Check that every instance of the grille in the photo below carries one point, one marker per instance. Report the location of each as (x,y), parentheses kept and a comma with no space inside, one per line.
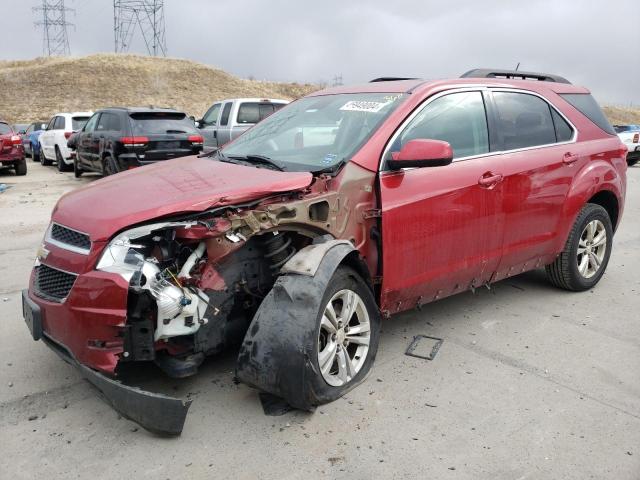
(52,284)
(70,237)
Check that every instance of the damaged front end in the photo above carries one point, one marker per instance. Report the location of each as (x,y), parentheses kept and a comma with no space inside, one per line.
(189,287)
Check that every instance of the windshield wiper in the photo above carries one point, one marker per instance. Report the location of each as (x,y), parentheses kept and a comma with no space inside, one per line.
(257,159)
(176,131)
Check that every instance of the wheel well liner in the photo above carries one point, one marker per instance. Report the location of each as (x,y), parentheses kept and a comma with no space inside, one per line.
(607,200)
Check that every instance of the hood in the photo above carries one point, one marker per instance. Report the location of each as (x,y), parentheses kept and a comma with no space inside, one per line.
(188,184)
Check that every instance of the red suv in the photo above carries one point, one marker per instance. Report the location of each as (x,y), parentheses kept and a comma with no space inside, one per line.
(11,149)
(346,206)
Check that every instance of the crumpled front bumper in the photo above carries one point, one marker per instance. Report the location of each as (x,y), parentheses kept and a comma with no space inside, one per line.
(157,413)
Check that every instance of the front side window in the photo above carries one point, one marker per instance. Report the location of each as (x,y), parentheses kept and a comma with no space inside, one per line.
(523,120)
(457,118)
(211,117)
(59,125)
(316,133)
(91,124)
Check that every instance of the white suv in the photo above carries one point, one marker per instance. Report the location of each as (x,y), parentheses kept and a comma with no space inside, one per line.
(53,141)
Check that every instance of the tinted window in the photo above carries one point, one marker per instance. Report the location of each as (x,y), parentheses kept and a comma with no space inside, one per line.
(588,106)
(225,114)
(59,124)
(211,117)
(150,123)
(91,124)
(523,120)
(30,129)
(458,118)
(5,128)
(109,121)
(78,122)
(254,112)
(564,132)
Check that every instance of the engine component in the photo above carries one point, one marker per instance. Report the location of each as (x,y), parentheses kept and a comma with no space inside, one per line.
(191,261)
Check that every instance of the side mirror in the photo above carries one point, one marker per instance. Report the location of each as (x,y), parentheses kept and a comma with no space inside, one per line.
(21,132)
(421,153)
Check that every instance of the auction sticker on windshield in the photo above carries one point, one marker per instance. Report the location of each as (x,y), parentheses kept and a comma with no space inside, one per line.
(363,106)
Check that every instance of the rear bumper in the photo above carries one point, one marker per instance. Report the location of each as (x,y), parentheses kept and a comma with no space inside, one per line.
(16,155)
(155,412)
(131,160)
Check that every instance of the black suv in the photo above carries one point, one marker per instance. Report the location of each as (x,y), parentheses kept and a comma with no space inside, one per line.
(116,139)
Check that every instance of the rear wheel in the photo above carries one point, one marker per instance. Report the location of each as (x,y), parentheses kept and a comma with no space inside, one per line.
(77,169)
(21,167)
(586,254)
(632,161)
(109,166)
(42,158)
(62,167)
(34,157)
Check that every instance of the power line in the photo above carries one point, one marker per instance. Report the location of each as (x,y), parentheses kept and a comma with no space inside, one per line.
(148,16)
(55,39)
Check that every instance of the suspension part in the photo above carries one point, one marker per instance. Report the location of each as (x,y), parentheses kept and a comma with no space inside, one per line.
(278,250)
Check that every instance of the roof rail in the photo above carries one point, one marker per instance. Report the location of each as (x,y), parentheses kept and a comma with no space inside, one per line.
(513,74)
(391,79)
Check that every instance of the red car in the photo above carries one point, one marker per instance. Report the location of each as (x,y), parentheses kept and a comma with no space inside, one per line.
(11,149)
(296,239)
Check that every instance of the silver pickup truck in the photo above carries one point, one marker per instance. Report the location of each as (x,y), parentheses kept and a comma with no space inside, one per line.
(227,119)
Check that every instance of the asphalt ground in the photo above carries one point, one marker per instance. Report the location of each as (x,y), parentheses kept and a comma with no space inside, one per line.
(531,382)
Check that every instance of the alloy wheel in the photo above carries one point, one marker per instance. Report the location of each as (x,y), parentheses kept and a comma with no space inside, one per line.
(343,338)
(592,247)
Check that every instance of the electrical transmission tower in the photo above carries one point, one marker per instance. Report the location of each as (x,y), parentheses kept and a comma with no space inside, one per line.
(148,15)
(55,40)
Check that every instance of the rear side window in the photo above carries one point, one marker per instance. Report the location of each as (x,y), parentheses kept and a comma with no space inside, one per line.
(523,120)
(110,122)
(587,105)
(5,128)
(78,122)
(225,114)
(158,123)
(457,118)
(253,112)
(564,132)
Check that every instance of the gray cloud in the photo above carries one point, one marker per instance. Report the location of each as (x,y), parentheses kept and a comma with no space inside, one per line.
(592,43)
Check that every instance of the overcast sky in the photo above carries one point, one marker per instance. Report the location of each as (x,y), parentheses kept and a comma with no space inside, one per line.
(592,43)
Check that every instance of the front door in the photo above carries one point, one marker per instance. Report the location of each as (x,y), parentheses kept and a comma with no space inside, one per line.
(442,227)
(86,147)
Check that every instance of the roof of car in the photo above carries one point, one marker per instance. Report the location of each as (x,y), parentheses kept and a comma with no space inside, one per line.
(142,109)
(418,85)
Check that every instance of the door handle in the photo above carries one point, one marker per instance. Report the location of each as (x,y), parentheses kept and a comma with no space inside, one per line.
(569,158)
(490,179)
(215,134)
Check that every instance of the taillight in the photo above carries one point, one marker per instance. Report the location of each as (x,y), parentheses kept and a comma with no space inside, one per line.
(134,141)
(67,135)
(16,139)
(636,138)
(196,139)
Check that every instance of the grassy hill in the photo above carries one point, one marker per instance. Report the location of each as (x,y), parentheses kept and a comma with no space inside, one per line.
(38,88)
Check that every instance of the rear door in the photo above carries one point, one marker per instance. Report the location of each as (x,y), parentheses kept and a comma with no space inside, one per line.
(209,125)
(47,139)
(85,150)
(224,129)
(168,135)
(539,161)
(442,226)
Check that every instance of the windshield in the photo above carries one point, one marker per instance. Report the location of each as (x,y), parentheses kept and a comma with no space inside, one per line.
(316,133)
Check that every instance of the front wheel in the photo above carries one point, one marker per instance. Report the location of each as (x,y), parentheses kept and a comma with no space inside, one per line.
(586,254)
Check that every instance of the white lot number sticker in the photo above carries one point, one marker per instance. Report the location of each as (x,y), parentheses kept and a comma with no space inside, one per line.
(363,106)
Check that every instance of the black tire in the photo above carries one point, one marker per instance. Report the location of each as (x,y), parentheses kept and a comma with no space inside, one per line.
(563,272)
(62,167)
(34,157)
(632,161)
(109,166)
(77,169)
(343,278)
(43,160)
(21,167)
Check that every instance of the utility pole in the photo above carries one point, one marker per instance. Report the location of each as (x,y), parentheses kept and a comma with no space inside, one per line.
(55,39)
(337,80)
(147,16)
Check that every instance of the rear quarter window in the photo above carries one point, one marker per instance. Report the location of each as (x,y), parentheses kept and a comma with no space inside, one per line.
(587,105)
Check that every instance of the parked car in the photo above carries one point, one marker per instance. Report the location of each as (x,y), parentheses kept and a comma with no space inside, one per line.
(11,151)
(30,139)
(117,139)
(20,128)
(296,249)
(227,119)
(53,141)
(630,136)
